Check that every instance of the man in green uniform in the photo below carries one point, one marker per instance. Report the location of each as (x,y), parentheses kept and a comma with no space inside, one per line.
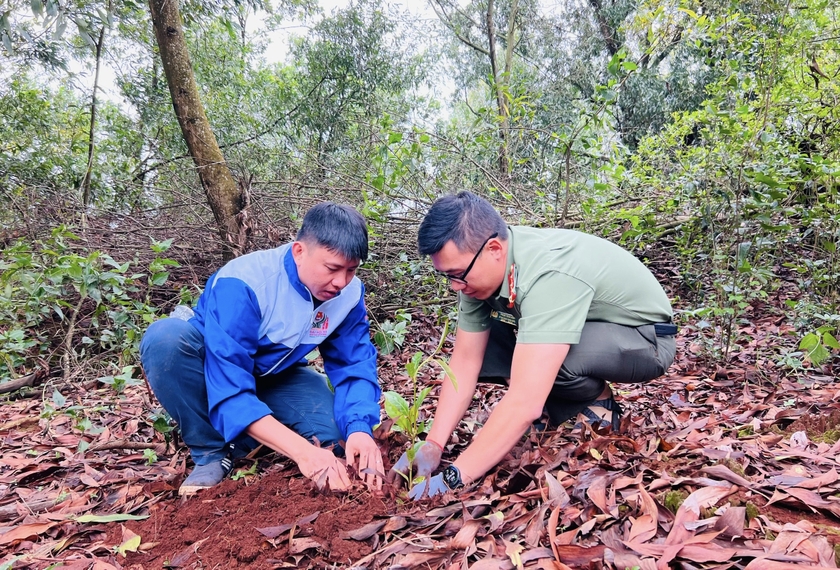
(556,314)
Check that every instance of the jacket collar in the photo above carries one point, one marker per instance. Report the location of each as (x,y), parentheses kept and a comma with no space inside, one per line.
(292,272)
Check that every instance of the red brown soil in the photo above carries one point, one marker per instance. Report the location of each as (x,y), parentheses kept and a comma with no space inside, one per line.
(233,514)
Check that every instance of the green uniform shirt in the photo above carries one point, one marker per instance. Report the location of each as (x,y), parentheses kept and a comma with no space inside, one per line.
(564,278)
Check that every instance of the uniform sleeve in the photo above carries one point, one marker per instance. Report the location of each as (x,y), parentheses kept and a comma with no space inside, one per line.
(231,328)
(350,364)
(473,315)
(554,310)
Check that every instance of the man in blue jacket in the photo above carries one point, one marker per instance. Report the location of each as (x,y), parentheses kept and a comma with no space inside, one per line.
(235,372)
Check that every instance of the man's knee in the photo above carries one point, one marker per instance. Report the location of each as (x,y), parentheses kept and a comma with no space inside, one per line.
(165,344)
(578,388)
(162,335)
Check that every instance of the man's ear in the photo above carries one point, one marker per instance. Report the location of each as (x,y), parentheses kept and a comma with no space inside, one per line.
(495,247)
(298,249)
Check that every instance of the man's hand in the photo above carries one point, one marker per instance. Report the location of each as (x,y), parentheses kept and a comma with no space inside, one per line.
(428,488)
(321,466)
(360,446)
(426,460)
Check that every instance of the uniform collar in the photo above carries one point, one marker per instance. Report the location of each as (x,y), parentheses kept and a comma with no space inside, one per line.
(292,272)
(504,291)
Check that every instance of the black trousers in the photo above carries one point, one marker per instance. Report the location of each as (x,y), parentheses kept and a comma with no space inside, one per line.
(606,353)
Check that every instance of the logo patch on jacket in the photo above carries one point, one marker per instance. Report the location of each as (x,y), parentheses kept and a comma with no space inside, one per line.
(321,325)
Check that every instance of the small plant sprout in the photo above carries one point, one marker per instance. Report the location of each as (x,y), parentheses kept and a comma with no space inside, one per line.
(242,473)
(120,381)
(405,415)
(150,456)
(162,423)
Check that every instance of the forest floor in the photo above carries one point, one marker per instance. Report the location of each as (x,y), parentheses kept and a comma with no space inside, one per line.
(733,466)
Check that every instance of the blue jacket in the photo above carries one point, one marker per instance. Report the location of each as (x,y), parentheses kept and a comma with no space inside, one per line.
(258,319)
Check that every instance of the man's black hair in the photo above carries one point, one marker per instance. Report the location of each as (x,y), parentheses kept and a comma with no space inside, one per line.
(464,218)
(337,227)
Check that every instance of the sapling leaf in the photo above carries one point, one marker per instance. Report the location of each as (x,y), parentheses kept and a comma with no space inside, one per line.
(395,405)
(448,371)
(421,397)
(406,424)
(413,365)
(412,451)
(242,473)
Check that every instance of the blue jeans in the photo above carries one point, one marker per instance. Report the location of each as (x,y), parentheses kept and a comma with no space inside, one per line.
(172,355)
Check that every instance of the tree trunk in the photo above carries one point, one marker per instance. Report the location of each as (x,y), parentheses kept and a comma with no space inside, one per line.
(85,185)
(608,32)
(223,193)
(499,83)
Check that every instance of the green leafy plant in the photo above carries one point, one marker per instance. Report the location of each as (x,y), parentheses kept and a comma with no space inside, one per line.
(391,334)
(56,303)
(150,456)
(120,381)
(15,347)
(159,274)
(819,344)
(406,415)
(162,423)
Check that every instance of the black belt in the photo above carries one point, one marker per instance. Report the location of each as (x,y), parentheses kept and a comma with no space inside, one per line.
(665,329)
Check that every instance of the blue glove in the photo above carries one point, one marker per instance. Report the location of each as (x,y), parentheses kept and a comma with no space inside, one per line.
(426,460)
(435,486)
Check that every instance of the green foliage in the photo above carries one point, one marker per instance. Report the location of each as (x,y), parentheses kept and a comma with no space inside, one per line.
(391,334)
(673,500)
(120,381)
(751,190)
(406,415)
(162,423)
(47,120)
(79,415)
(708,129)
(56,302)
(351,67)
(150,456)
(819,344)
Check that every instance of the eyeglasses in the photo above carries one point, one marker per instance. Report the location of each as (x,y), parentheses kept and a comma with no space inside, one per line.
(462,278)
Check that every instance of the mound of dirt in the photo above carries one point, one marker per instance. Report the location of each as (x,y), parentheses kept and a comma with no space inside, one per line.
(273,521)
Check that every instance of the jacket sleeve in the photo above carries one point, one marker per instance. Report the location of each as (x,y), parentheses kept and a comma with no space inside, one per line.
(350,364)
(231,328)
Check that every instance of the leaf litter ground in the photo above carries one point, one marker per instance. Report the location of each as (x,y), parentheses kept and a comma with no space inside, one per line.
(714,467)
